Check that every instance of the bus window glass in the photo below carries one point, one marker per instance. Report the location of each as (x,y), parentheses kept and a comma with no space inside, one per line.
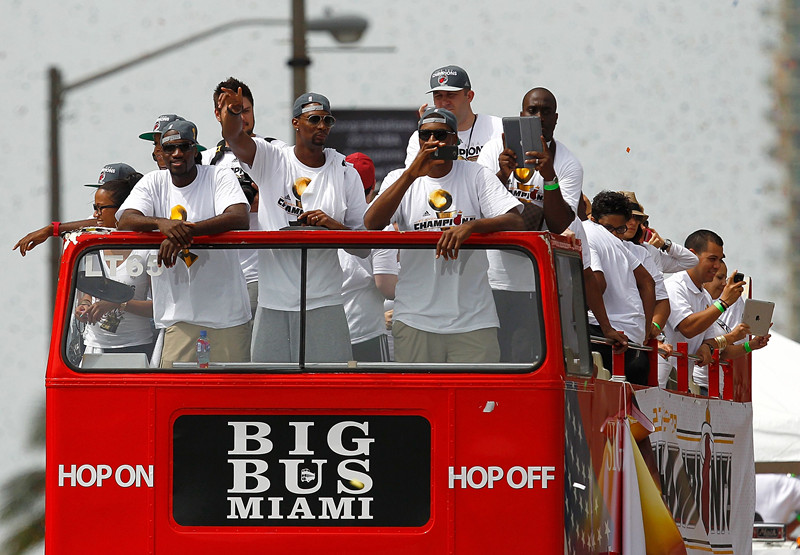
(446,311)
(357,309)
(277,338)
(369,283)
(113,308)
(572,308)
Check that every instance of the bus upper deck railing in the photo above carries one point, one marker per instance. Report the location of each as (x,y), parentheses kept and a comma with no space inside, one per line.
(681,353)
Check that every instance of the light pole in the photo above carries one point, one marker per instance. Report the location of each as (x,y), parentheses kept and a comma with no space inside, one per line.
(345,29)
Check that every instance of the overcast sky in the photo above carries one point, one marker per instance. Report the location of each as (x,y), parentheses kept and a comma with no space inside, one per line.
(683,84)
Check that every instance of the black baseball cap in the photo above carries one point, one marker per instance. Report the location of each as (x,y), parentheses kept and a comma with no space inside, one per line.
(449,78)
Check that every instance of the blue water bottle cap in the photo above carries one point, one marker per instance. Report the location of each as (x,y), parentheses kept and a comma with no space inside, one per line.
(203,333)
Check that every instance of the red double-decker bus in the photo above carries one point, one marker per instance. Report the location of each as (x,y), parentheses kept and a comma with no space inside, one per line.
(345,457)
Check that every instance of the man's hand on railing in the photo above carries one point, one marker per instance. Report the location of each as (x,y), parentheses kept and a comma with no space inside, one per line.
(618,338)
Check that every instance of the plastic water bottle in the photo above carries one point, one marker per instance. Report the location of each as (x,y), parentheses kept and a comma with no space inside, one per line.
(203,350)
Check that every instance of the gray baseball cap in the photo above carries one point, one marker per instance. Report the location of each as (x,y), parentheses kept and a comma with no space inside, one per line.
(449,78)
(161,122)
(302,102)
(439,115)
(113,172)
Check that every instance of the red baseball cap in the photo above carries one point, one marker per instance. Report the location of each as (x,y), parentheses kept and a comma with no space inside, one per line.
(365,168)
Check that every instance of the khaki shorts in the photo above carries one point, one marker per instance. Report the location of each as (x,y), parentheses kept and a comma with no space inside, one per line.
(227,344)
(413,345)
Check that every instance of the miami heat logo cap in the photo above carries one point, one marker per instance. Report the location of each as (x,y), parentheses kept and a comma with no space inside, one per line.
(112,172)
(310,102)
(449,78)
(160,124)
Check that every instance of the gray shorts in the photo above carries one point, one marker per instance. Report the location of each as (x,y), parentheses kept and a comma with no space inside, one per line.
(276,335)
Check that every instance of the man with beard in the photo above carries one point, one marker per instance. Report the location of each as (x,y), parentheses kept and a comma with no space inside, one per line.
(307,185)
(204,290)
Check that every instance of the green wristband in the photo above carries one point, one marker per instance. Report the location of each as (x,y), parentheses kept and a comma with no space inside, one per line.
(551,185)
(747,347)
(719,306)
(656,325)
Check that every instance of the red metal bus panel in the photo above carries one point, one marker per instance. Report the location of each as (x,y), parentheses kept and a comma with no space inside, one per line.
(101,474)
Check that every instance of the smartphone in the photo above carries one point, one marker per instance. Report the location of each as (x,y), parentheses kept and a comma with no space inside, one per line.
(648,233)
(447,152)
(737,277)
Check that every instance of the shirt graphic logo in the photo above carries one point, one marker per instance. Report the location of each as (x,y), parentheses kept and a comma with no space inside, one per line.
(441,201)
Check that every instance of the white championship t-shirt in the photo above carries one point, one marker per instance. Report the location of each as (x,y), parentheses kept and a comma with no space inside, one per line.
(502,265)
(287,188)
(621,297)
(212,292)
(470,141)
(567,167)
(438,295)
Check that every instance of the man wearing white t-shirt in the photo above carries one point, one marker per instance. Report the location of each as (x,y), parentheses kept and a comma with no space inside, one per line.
(206,293)
(692,313)
(309,185)
(509,273)
(452,90)
(222,156)
(565,173)
(628,289)
(444,310)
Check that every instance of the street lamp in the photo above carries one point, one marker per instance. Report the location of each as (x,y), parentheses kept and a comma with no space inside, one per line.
(344,28)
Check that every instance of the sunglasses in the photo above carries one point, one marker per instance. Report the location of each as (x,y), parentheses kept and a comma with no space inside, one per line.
(438,134)
(100,207)
(169,148)
(329,121)
(620,230)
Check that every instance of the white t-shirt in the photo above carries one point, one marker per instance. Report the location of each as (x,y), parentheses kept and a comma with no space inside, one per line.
(363,302)
(685,298)
(502,264)
(643,255)
(577,228)
(212,292)
(247,257)
(434,294)
(621,297)
(678,258)
(513,271)
(133,329)
(777,497)
(567,167)
(287,188)
(470,141)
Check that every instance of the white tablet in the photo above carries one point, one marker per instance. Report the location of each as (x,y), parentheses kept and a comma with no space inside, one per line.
(758,315)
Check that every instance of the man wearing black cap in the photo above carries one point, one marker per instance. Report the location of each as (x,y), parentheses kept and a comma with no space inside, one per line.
(193,294)
(312,185)
(452,90)
(110,173)
(444,310)
(155,136)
